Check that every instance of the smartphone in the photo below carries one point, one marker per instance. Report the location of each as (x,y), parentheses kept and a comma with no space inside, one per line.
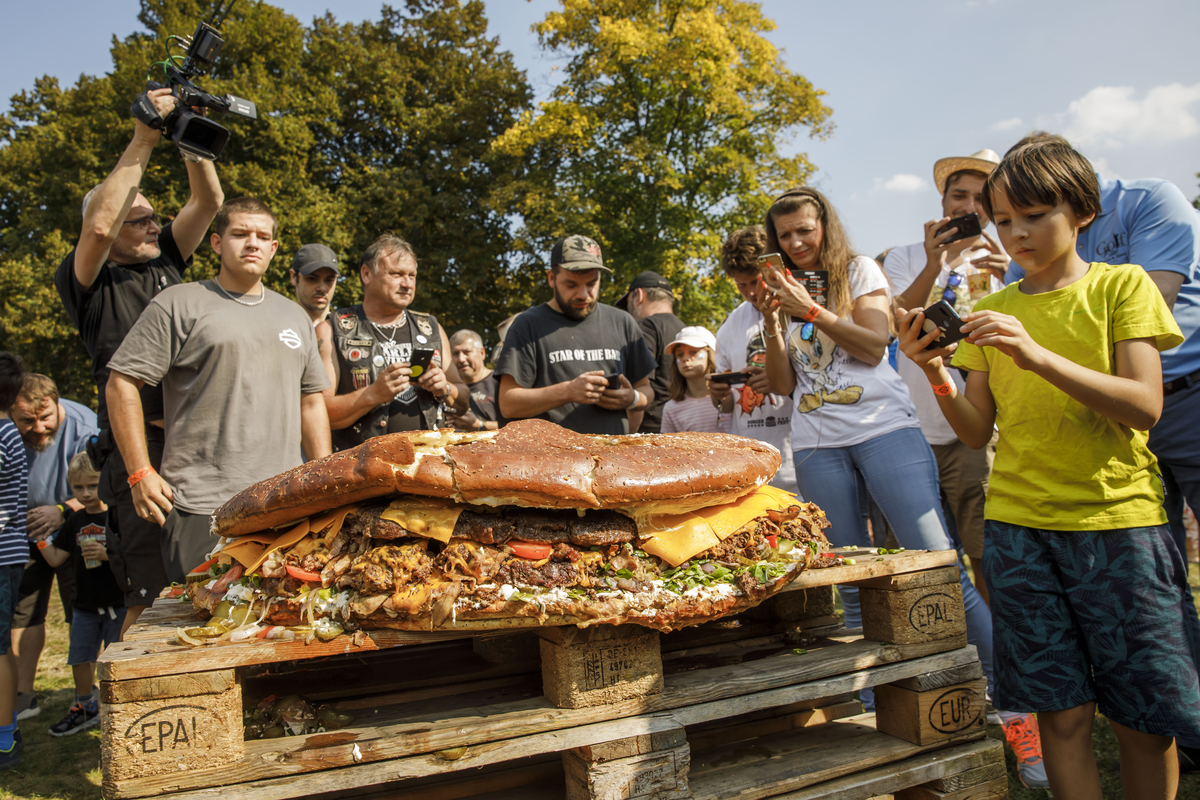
(765,262)
(730,378)
(942,315)
(614,380)
(420,361)
(968,227)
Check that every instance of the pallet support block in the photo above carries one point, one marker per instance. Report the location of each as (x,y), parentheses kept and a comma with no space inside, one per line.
(585,667)
(933,715)
(913,615)
(155,726)
(653,766)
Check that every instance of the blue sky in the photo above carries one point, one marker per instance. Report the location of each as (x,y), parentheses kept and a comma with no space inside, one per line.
(908,82)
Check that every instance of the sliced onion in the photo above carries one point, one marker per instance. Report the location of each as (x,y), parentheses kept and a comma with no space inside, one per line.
(182,637)
(245,632)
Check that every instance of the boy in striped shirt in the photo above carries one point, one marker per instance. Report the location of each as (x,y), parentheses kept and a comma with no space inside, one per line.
(14,551)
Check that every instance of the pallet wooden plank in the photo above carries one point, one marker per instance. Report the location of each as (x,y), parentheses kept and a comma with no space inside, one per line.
(972,777)
(190,685)
(911,580)
(691,697)
(896,776)
(996,789)
(868,566)
(806,718)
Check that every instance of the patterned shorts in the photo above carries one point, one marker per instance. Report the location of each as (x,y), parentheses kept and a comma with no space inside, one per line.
(1094,616)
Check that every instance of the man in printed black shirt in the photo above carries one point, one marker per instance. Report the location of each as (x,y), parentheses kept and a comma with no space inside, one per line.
(124,258)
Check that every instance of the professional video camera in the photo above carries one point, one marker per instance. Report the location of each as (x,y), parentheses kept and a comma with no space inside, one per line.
(194,133)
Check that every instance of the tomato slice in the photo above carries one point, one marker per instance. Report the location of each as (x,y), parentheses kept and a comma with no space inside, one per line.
(303,574)
(204,567)
(532,550)
(829,555)
(773,541)
(223,582)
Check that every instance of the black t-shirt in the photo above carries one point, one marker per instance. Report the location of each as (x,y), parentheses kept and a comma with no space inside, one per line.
(544,347)
(659,330)
(104,312)
(483,397)
(96,587)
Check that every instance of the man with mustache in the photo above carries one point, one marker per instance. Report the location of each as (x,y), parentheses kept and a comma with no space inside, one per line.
(368,352)
(53,430)
(573,360)
(315,274)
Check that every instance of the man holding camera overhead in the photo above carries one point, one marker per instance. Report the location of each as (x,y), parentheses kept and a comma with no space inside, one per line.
(385,361)
(124,258)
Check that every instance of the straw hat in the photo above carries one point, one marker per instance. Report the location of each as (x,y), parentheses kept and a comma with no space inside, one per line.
(983,161)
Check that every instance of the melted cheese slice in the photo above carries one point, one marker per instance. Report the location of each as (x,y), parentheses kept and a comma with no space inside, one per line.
(252,550)
(677,537)
(431,518)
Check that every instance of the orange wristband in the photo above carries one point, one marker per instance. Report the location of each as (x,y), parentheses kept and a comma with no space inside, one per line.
(813,312)
(136,477)
(944,390)
(43,544)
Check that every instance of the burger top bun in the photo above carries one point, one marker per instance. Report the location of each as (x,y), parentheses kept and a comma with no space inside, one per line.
(527,463)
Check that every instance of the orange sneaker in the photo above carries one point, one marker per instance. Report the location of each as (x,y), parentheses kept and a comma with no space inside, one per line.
(1025,740)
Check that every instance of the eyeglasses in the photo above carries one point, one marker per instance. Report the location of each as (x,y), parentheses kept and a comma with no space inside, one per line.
(806,332)
(955,279)
(144,222)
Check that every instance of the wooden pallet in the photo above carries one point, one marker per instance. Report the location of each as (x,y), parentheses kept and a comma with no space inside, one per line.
(429,706)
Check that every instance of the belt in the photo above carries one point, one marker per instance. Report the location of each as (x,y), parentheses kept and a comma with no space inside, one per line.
(1179,384)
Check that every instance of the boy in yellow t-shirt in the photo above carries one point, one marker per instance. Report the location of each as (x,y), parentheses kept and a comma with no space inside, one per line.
(1087,583)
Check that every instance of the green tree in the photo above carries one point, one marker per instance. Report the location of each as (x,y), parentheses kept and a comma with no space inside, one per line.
(381,126)
(663,138)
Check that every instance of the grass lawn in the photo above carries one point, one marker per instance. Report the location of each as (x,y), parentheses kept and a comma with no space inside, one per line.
(68,767)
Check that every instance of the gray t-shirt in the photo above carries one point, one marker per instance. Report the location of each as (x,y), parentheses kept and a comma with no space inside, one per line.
(232,377)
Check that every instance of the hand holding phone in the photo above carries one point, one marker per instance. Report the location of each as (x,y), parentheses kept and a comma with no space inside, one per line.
(941,315)
(767,261)
(968,228)
(614,380)
(419,362)
(729,378)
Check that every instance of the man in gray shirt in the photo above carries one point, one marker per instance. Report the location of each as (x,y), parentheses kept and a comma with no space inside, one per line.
(241,380)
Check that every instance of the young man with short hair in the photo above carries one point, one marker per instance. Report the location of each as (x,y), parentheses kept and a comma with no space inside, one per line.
(559,357)
(314,275)
(651,301)
(241,380)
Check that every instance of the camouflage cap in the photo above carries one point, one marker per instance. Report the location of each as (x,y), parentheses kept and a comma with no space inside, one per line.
(577,254)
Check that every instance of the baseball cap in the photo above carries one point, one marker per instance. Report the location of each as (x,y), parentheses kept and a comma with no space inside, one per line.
(312,257)
(577,254)
(644,280)
(693,336)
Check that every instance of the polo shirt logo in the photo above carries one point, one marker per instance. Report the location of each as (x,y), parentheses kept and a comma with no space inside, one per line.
(290,338)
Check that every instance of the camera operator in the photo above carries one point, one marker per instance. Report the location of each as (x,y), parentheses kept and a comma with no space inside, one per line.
(124,258)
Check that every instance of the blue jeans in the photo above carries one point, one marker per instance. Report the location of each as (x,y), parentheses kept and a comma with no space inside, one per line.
(898,471)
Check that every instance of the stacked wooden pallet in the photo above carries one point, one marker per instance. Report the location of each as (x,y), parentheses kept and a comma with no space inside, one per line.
(751,707)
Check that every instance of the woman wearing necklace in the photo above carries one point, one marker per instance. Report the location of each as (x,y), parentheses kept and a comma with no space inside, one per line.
(384,359)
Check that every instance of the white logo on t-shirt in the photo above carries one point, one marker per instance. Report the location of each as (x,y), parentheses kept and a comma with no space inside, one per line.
(290,338)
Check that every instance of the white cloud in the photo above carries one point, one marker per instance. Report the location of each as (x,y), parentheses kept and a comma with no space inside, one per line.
(1010,124)
(1110,116)
(903,183)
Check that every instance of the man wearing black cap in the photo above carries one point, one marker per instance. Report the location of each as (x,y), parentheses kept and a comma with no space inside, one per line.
(652,304)
(573,360)
(314,273)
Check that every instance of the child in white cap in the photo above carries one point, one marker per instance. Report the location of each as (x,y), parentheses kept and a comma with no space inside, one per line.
(690,408)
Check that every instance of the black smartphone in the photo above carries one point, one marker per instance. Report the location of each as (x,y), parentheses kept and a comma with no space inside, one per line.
(614,380)
(421,357)
(942,315)
(968,227)
(730,378)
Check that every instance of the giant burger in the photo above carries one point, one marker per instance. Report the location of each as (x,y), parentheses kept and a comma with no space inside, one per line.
(529,525)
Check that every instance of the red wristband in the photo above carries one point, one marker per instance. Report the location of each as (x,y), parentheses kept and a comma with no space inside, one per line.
(136,477)
(944,390)
(813,312)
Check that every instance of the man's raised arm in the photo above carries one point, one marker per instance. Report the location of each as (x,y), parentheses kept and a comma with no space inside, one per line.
(110,204)
(191,224)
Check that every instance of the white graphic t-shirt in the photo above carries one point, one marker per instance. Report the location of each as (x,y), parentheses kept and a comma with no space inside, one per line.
(763,417)
(840,401)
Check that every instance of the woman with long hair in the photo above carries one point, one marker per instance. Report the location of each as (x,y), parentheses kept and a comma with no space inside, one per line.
(855,433)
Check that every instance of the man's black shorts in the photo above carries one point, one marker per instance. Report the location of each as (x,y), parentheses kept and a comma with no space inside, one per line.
(135,545)
(33,600)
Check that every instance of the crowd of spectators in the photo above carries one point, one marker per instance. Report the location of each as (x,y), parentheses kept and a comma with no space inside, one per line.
(206,387)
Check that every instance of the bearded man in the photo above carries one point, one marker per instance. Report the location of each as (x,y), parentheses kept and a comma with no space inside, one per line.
(54,431)
(573,360)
